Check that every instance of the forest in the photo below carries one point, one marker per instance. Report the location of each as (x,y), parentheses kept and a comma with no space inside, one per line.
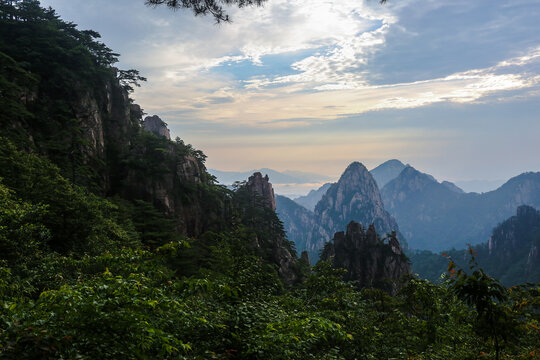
(95,262)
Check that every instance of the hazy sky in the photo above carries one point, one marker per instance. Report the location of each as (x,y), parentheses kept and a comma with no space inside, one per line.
(450,86)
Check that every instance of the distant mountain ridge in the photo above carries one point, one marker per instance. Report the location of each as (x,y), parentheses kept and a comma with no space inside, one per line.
(310,200)
(512,253)
(435,216)
(277,177)
(387,171)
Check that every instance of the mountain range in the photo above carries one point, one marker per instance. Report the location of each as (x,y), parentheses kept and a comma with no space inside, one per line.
(438,216)
(431,215)
(354,197)
(511,254)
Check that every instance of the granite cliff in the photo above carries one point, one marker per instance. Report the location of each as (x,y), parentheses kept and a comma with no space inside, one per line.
(369,260)
(256,203)
(156,126)
(354,197)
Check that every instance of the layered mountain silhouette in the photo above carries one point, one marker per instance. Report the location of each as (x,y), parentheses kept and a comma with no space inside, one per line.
(278,177)
(302,226)
(512,253)
(355,197)
(438,216)
(387,171)
(310,200)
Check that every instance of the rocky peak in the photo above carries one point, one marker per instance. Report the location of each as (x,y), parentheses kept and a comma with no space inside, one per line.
(156,126)
(368,260)
(354,197)
(261,186)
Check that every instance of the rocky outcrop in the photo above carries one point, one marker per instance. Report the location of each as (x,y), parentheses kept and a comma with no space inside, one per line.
(156,126)
(369,261)
(520,233)
(270,238)
(260,186)
(355,197)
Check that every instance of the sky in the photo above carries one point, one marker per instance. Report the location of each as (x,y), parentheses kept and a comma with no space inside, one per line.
(451,87)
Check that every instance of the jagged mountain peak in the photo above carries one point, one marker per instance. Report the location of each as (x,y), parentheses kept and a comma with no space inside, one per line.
(262,187)
(356,177)
(354,197)
(368,259)
(354,167)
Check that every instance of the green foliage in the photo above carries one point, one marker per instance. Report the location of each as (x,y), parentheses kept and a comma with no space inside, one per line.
(22,234)
(495,322)
(78,221)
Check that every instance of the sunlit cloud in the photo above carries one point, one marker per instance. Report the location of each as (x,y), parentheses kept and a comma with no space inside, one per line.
(314,84)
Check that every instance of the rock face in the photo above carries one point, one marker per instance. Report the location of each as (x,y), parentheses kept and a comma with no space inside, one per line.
(354,197)
(369,261)
(260,186)
(302,226)
(435,216)
(387,171)
(156,126)
(271,241)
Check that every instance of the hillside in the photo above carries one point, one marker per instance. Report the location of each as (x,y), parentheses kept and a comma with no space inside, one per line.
(310,200)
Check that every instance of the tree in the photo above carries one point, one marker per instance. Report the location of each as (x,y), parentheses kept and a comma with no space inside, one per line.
(206,7)
(210,7)
(494,320)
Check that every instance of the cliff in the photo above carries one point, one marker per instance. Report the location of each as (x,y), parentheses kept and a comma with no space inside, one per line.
(257,204)
(73,107)
(369,261)
(513,246)
(260,186)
